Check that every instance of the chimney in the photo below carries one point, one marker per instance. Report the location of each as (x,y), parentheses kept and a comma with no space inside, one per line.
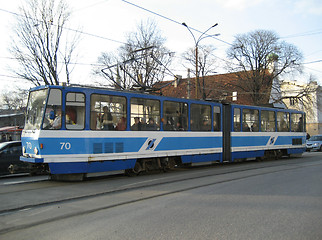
(177,80)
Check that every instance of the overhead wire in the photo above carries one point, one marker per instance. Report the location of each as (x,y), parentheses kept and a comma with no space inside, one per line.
(313,62)
(308,33)
(172,20)
(144,9)
(67,28)
(224,60)
(90,6)
(166,18)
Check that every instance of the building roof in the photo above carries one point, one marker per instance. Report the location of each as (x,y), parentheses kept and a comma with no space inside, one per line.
(217,87)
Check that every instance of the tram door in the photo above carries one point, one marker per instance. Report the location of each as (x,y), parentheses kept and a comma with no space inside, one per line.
(227,132)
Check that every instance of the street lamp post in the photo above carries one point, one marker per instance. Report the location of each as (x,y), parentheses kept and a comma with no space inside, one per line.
(202,36)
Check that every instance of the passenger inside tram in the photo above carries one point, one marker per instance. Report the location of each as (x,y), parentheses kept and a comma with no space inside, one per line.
(151,126)
(107,119)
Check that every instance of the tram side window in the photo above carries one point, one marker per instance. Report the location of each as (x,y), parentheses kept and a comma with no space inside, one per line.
(75,111)
(145,114)
(108,112)
(250,120)
(175,116)
(283,122)
(53,113)
(217,118)
(268,121)
(200,117)
(297,123)
(237,120)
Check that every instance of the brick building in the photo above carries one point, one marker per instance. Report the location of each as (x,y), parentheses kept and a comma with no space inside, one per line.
(217,87)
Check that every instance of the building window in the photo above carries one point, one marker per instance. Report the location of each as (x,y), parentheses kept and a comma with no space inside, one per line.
(293,101)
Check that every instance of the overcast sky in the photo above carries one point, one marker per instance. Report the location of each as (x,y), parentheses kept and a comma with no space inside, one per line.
(106,22)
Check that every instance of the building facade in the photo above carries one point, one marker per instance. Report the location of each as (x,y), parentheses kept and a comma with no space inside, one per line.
(306,97)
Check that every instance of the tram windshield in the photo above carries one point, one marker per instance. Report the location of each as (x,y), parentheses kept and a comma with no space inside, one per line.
(35,109)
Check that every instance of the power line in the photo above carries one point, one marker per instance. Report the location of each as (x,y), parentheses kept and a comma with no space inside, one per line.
(94,35)
(14,77)
(172,20)
(73,63)
(7,11)
(70,29)
(161,16)
(91,5)
(308,33)
(314,69)
(313,62)
(152,12)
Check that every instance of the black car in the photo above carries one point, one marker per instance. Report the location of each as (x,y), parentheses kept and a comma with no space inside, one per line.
(10,153)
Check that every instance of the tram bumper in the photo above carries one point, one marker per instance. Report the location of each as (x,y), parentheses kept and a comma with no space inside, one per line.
(31,159)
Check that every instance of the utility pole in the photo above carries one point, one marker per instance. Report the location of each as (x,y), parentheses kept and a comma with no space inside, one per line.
(188,84)
(202,36)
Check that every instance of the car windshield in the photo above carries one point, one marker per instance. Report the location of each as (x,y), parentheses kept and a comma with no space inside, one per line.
(316,138)
(35,109)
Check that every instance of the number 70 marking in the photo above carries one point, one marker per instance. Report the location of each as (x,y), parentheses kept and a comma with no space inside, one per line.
(65,145)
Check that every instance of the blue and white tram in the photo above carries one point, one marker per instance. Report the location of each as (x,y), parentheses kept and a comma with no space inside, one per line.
(259,132)
(74,131)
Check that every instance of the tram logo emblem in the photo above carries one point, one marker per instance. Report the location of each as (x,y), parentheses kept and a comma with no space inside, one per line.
(151,144)
(272,140)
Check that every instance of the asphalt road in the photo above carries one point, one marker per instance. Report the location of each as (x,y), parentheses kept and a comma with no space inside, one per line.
(272,200)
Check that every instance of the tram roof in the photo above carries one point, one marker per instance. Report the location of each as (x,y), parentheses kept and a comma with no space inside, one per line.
(148,94)
(134,93)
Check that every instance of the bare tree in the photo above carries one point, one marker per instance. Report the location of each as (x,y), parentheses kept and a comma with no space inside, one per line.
(38,42)
(15,100)
(257,58)
(109,63)
(141,62)
(206,65)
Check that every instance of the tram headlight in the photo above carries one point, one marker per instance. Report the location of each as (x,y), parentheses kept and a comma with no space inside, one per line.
(36,151)
(23,150)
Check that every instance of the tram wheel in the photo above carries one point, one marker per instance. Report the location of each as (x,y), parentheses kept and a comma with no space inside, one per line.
(137,168)
(130,173)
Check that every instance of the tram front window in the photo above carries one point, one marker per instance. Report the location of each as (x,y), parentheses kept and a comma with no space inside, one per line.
(35,109)
(53,113)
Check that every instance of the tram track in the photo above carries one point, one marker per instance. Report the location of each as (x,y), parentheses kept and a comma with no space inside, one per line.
(210,171)
(136,192)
